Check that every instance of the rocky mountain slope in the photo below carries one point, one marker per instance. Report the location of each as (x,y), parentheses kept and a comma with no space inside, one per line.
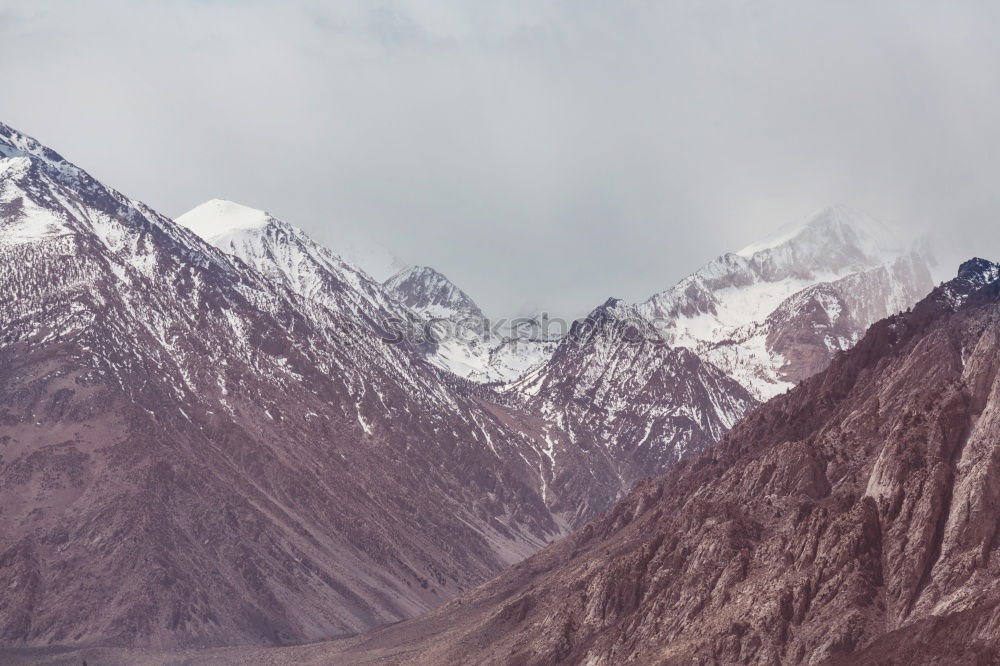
(194,452)
(230,435)
(851,520)
(421,310)
(606,411)
(615,382)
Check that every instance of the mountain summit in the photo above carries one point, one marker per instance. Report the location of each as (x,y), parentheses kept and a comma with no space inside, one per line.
(218,218)
(291,258)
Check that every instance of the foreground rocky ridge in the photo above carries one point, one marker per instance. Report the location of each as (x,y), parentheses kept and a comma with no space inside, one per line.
(851,521)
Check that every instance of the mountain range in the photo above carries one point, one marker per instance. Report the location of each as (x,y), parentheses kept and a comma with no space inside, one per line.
(217,431)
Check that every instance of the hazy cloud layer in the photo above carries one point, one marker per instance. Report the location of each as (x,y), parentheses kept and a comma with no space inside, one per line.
(542,154)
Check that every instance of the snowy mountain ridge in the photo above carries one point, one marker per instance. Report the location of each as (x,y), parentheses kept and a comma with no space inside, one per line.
(739,287)
(658,381)
(727,310)
(839,224)
(418,304)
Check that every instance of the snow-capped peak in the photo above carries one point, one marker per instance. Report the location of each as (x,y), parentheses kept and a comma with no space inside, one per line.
(217,218)
(289,256)
(429,293)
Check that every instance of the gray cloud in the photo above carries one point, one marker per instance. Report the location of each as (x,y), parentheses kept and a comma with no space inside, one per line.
(542,154)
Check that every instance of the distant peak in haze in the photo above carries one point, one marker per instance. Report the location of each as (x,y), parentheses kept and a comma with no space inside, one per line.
(835,223)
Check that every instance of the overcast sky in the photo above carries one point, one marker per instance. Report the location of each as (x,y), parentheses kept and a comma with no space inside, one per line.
(541,154)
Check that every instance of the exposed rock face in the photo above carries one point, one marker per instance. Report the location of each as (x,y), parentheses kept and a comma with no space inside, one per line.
(192,453)
(853,520)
